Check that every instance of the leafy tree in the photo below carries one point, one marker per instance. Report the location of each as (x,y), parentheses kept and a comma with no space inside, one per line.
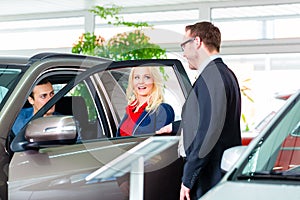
(123,46)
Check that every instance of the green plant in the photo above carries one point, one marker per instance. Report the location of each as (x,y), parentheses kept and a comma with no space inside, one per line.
(88,44)
(112,13)
(244,91)
(123,46)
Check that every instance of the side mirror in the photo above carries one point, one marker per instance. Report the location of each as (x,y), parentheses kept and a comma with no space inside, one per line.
(230,156)
(52,130)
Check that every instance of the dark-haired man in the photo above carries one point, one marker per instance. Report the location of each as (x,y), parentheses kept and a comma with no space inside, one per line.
(40,95)
(211,114)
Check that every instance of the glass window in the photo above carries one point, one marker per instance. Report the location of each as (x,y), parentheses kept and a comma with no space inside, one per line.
(43,33)
(154,17)
(165,16)
(3,92)
(279,151)
(263,77)
(79,102)
(115,84)
(9,77)
(243,29)
(168,26)
(257,22)
(282,28)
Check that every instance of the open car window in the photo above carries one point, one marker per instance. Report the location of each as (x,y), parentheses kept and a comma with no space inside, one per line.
(115,83)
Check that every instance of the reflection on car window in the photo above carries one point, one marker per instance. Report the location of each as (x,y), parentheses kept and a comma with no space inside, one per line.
(115,83)
(296,131)
(79,103)
(3,92)
(8,80)
(280,151)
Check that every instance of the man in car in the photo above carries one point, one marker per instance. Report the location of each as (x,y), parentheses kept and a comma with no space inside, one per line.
(39,96)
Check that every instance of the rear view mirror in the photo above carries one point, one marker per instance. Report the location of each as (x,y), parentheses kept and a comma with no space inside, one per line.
(230,156)
(62,129)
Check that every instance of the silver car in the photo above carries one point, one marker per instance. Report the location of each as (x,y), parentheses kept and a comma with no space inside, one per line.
(269,168)
(51,157)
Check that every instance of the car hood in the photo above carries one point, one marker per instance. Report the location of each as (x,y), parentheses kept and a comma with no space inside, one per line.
(250,191)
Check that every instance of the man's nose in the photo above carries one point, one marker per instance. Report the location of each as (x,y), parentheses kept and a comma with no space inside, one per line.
(49,97)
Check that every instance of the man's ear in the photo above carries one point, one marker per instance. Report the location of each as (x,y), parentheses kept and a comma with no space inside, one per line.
(30,100)
(198,41)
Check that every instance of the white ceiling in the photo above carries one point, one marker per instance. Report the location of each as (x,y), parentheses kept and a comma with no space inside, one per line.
(19,7)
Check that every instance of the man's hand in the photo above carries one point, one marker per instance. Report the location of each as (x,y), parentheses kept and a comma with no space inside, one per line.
(165,129)
(184,193)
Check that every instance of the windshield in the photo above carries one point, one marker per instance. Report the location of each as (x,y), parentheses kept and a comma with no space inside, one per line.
(277,156)
(9,77)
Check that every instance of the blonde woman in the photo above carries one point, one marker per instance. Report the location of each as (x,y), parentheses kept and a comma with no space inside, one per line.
(146,111)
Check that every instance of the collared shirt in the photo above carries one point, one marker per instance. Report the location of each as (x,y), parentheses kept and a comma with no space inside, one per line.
(181,151)
(205,63)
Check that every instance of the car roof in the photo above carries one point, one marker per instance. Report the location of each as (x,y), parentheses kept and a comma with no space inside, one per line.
(24,60)
(14,60)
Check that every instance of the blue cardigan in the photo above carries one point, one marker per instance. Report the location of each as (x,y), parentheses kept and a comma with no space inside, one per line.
(149,122)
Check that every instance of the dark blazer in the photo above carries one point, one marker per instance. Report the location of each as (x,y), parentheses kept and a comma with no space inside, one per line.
(211,124)
(149,122)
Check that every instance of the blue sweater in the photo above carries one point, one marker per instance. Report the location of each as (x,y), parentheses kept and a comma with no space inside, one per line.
(24,116)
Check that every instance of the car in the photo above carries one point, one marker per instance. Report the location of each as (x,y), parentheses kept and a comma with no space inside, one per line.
(248,136)
(269,167)
(50,157)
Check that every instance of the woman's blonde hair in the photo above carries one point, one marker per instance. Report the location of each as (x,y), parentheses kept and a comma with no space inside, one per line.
(156,96)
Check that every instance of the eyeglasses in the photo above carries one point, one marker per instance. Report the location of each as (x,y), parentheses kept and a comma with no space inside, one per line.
(182,45)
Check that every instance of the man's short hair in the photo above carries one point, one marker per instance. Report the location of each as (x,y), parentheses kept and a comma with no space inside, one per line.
(42,82)
(208,33)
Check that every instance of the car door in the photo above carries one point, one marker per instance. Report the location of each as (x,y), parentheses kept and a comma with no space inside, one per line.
(54,170)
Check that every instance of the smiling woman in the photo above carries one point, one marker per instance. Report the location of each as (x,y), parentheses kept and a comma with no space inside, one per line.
(146,111)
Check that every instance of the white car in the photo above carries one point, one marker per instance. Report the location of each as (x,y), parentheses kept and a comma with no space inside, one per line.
(269,168)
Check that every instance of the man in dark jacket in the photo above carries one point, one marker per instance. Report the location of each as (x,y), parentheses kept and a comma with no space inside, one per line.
(211,115)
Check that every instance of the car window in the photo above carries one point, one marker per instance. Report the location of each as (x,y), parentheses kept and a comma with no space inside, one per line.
(79,102)
(8,79)
(97,98)
(83,90)
(3,92)
(279,151)
(105,101)
(114,83)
